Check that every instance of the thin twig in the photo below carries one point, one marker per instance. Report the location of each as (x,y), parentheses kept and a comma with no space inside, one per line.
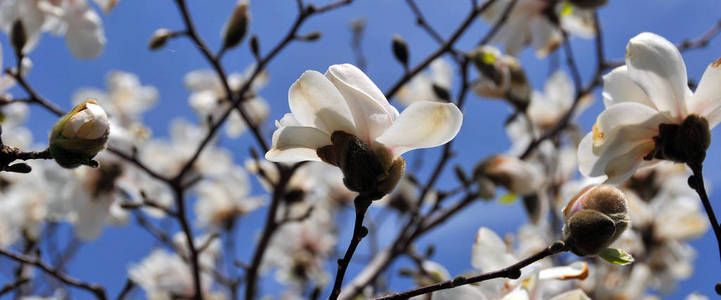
(361,203)
(696,182)
(512,272)
(96,290)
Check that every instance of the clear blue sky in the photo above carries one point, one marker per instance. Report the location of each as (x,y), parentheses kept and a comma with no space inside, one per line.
(56,75)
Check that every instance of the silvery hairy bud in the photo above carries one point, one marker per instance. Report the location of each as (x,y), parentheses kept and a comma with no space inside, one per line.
(79,135)
(237,26)
(595,218)
(159,38)
(370,172)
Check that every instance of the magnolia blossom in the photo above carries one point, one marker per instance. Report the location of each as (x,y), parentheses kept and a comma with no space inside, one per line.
(649,92)
(208,98)
(529,23)
(79,135)
(423,86)
(501,77)
(75,19)
(164,276)
(222,199)
(345,99)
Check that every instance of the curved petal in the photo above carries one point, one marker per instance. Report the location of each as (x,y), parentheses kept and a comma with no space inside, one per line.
(658,68)
(619,87)
(85,36)
(423,125)
(315,102)
(371,111)
(622,167)
(293,144)
(489,252)
(706,101)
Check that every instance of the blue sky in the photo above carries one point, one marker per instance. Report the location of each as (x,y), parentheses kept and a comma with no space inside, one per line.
(57,74)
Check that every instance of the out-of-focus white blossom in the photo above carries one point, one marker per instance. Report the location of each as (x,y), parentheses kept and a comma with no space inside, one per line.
(164,276)
(222,199)
(421,86)
(208,98)
(528,23)
(75,19)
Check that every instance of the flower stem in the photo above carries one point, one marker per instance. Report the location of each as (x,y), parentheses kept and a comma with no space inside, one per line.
(696,182)
(513,272)
(361,203)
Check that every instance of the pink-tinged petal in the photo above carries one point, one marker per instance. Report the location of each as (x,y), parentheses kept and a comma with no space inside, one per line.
(706,101)
(422,125)
(619,87)
(658,68)
(85,36)
(545,37)
(293,144)
(315,102)
(489,252)
(370,114)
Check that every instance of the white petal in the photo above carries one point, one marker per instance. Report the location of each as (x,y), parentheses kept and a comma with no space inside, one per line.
(618,87)
(577,270)
(293,144)
(622,126)
(658,68)
(371,111)
(423,125)
(85,36)
(576,294)
(559,89)
(315,102)
(545,37)
(517,294)
(464,292)
(706,101)
(490,253)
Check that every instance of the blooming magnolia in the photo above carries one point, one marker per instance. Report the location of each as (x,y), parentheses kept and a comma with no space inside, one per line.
(647,98)
(344,108)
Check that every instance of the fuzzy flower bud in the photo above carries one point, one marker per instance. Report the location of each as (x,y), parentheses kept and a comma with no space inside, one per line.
(595,218)
(516,175)
(237,25)
(79,135)
(159,38)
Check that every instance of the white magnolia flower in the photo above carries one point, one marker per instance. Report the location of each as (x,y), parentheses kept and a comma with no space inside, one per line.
(125,100)
(650,90)
(222,199)
(548,107)
(420,88)
(208,98)
(528,23)
(79,135)
(74,19)
(165,276)
(345,99)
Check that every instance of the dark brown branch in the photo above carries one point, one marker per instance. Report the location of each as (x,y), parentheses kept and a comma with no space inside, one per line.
(129,285)
(512,272)
(13,285)
(96,290)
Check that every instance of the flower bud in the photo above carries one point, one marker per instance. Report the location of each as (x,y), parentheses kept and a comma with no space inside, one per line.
(595,218)
(79,135)
(159,38)
(502,77)
(237,26)
(400,50)
(18,36)
(371,172)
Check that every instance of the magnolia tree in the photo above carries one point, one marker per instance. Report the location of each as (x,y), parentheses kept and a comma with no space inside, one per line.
(609,212)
